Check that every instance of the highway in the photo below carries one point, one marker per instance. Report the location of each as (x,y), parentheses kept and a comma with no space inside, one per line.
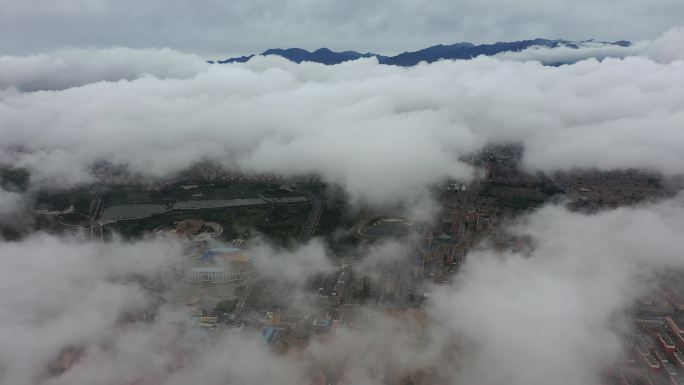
(96,208)
(312,220)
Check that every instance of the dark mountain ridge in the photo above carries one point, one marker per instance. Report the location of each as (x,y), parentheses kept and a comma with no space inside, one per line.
(462,51)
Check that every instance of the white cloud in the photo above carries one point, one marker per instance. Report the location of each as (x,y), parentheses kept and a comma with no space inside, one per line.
(382,133)
(505,312)
(664,49)
(291,265)
(565,54)
(668,47)
(559,309)
(10,203)
(63,292)
(75,67)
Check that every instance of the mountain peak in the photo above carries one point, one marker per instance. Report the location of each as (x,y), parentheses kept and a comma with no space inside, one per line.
(463,51)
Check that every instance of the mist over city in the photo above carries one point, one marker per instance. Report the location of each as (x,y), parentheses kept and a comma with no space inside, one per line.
(387,193)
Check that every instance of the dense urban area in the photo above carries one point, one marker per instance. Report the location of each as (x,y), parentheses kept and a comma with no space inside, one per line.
(219,288)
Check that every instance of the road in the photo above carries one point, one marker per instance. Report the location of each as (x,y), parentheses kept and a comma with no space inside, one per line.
(314,216)
(96,208)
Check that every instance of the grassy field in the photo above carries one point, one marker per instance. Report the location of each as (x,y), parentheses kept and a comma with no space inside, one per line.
(14,178)
(175,193)
(229,191)
(130,194)
(74,219)
(280,223)
(337,226)
(513,197)
(80,198)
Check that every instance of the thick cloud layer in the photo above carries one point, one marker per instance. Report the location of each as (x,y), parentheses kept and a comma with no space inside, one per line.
(665,49)
(58,293)
(10,203)
(557,310)
(383,133)
(291,265)
(76,67)
(556,314)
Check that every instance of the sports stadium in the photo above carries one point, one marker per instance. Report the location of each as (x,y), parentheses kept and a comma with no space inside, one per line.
(220,265)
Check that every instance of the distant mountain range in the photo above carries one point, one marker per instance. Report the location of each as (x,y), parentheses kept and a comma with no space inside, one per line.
(406,59)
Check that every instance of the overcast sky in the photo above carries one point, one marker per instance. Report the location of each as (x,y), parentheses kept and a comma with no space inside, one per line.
(214,28)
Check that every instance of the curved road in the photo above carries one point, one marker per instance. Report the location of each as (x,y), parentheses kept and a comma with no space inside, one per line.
(96,208)
(312,220)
